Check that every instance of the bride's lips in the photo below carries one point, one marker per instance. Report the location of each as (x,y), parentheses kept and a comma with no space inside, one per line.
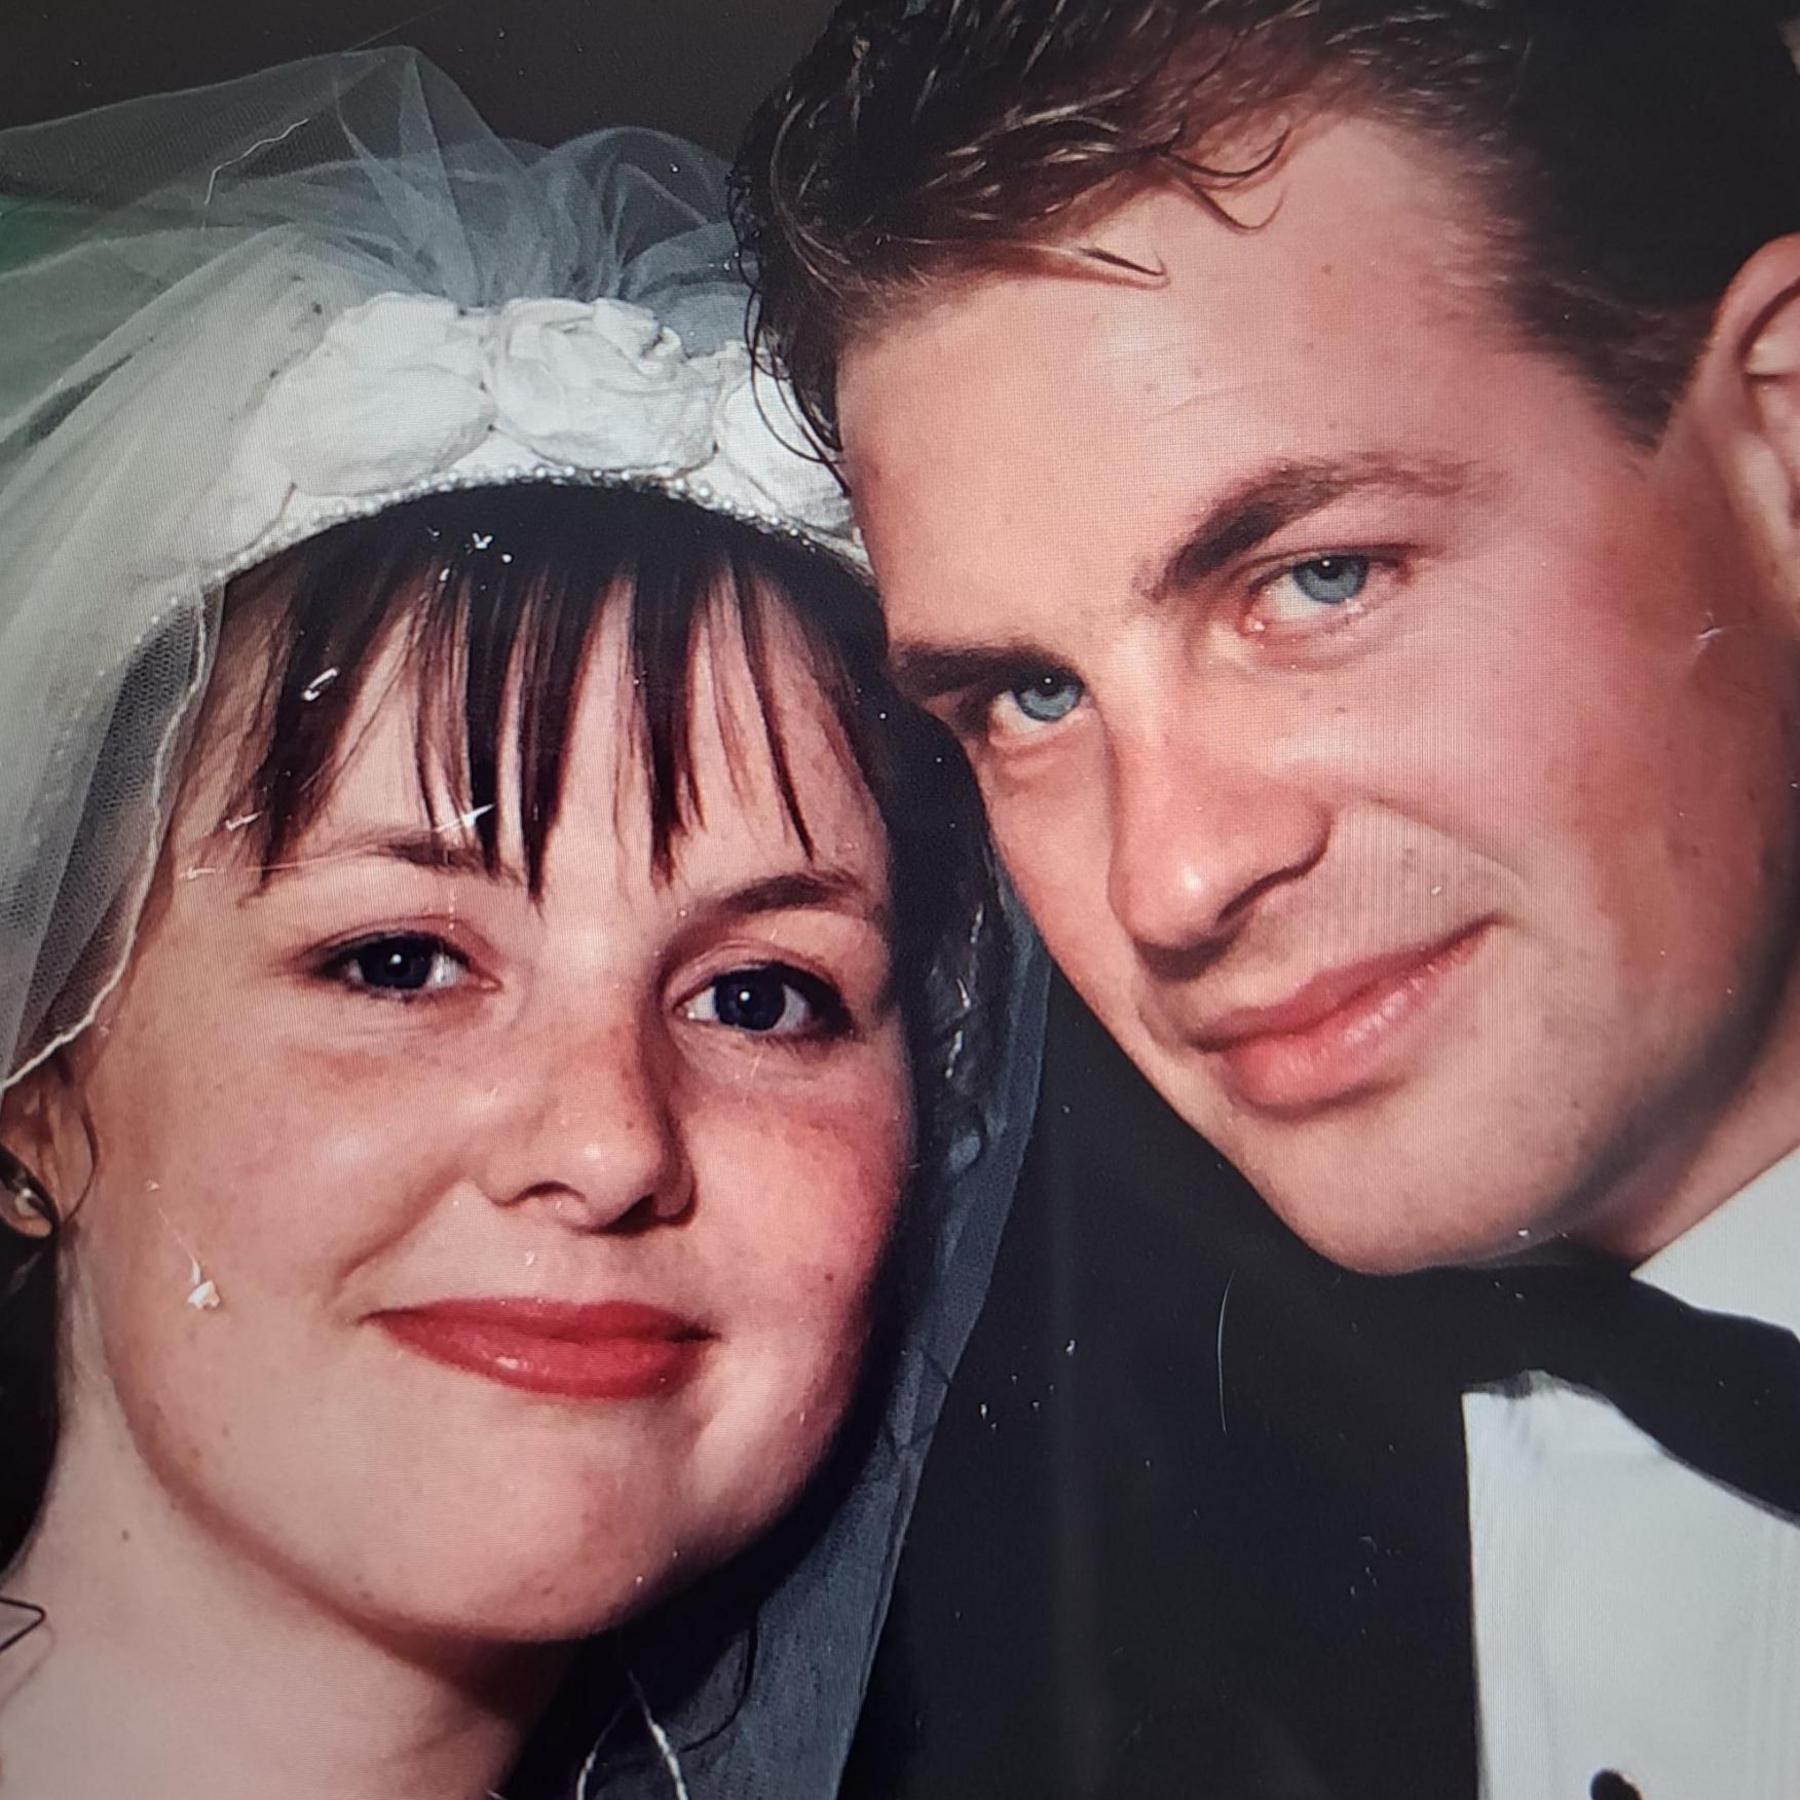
(1332,1037)
(617,1350)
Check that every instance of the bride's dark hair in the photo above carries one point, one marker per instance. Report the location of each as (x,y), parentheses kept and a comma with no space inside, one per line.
(493,596)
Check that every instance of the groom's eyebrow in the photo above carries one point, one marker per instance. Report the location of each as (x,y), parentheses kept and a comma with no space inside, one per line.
(1269,500)
(926,672)
(1244,517)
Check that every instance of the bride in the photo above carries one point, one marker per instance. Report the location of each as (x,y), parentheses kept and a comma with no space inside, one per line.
(496,995)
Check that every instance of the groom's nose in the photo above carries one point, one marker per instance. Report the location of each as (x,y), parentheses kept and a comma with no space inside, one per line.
(1201,829)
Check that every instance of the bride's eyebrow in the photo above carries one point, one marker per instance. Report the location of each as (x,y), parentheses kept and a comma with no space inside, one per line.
(449,851)
(815,887)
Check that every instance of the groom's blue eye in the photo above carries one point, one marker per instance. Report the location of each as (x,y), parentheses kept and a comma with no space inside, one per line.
(1332,580)
(1048,697)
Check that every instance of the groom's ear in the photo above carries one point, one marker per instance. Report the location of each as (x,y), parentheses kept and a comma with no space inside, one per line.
(1744,397)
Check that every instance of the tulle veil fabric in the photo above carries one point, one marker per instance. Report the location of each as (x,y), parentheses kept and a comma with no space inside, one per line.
(161,263)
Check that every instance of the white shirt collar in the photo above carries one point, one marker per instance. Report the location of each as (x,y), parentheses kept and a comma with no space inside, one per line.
(1743,1258)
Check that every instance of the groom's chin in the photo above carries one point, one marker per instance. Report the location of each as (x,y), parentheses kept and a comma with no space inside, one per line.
(1417,1179)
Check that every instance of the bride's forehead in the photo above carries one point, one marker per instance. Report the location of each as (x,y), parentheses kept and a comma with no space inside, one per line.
(738,823)
(412,725)
(753,750)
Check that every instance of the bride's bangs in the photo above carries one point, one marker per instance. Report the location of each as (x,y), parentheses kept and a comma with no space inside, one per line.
(492,598)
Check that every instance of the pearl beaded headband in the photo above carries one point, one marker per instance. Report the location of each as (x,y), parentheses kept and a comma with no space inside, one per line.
(407,395)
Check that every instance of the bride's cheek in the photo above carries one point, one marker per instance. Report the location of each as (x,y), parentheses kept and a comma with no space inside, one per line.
(805,1193)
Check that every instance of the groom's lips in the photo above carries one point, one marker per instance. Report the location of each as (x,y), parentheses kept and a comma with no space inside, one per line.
(614,1350)
(1336,1035)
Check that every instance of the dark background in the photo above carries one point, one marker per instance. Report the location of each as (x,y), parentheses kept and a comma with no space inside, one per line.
(537,69)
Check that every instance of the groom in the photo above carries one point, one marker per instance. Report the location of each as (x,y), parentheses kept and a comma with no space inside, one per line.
(1335,466)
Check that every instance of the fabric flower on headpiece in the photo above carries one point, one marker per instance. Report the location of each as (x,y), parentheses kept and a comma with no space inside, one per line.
(404,393)
(395,390)
(601,385)
(763,461)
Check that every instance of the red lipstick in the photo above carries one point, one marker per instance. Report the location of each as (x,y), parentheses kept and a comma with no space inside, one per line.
(616,1350)
(1333,1036)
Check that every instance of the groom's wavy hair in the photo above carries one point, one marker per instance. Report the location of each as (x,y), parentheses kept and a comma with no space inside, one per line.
(1625,157)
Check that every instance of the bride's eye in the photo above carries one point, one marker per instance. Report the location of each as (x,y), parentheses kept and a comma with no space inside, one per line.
(770,1000)
(402,963)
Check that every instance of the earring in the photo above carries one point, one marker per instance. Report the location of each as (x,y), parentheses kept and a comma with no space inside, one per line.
(25,1203)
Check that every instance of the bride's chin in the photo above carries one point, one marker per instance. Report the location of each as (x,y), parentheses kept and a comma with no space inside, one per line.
(533,1611)
(565,1618)
(525,1588)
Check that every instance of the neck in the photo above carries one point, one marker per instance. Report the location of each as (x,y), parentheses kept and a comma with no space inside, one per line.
(1752,1122)
(171,1667)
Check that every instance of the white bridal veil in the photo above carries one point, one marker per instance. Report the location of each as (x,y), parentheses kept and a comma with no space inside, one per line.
(179,271)
(164,265)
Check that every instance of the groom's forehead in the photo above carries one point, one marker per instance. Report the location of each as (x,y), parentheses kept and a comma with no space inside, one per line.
(1360,226)
(1330,332)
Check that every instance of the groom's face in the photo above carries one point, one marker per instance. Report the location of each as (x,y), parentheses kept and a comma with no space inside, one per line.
(1395,757)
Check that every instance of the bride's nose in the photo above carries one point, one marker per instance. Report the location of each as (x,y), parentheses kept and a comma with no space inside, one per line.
(587,1126)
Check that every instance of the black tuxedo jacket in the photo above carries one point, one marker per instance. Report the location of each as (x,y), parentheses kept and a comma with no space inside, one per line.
(1195,1522)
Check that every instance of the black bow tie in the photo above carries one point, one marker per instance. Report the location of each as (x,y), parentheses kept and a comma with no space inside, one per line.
(1719,1393)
